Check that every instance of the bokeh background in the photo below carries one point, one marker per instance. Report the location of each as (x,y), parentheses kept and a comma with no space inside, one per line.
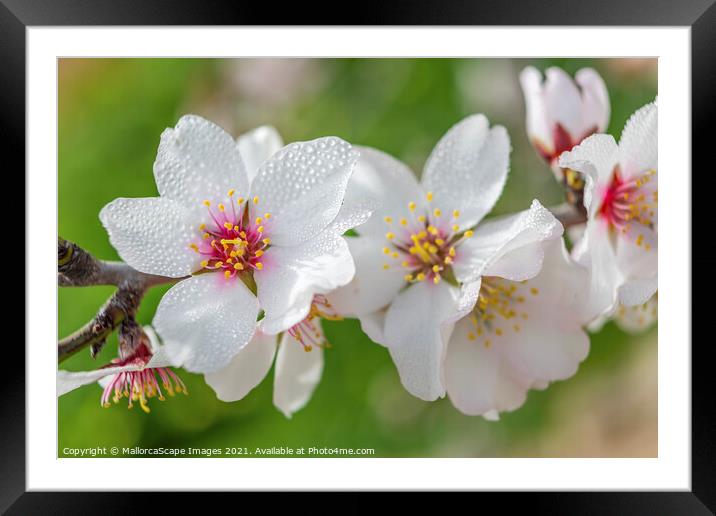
(111,114)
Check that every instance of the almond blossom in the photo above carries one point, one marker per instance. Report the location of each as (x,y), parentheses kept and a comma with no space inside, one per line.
(248,227)
(561,112)
(620,241)
(520,335)
(421,256)
(137,375)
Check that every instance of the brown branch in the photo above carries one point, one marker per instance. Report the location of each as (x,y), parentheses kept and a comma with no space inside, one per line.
(78,268)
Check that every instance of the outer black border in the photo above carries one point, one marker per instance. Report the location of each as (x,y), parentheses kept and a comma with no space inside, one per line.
(16,15)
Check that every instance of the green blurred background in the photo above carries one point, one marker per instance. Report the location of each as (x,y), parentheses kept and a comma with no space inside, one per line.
(111,114)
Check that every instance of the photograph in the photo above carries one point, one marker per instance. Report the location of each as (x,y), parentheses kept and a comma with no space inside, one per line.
(278,257)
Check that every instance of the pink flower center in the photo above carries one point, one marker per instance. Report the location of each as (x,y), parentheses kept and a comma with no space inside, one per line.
(234,239)
(307,332)
(562,141)
(142,384)
(425,246)
(625,202)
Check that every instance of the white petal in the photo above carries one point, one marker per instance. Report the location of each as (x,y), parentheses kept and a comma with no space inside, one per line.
(70,380)
(297,374)
(205,320)
(467,169)
(352,214)
(292,275)
(595,101)
(416,334)
(605,277)
(257,146)
(539,123)
(152,235)
(479,380)
(637,291)
(563,101)
(638,147)
(373,287)
(638,318)
(246,370)
(596,158)
(387,183)
(196,161)
(302,186)
(509,247)
(373,325)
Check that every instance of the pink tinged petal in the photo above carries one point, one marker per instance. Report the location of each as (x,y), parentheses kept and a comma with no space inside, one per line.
(297,373)
(386,183)
(510,247)
(595,101)
(538,120)
(605,277)
(479,380)
(257,146)
(196,161)
(292,275)
(596,158)
(152,235)
(302,187)
(373,286)
(417,328)
(638,318)
(246,370)
(638,147)
(563,101)
(205,320)
(467,169)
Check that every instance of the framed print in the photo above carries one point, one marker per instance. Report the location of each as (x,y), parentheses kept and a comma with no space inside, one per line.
(418,258)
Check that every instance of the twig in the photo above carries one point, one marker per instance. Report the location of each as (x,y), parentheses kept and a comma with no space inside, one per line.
(78,268)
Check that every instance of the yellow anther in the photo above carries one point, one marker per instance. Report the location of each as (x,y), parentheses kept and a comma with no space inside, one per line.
(516,327)
(411,206)
(439,241)
(405,263)
(266,241)
(451,252)
(228,225)
(422,235)
(429,196)
(259,253)
(202,227)
(421,218)
(437,212)
(455,228)
(408,277)
(469,233)
(259,220)
(488,343)
(239,266)
(386,266)
(236,228)
(390,236)
(433,249)
(194,247)
(448,260)
(206,236)
(403,222)
(231,192)
(456,213)
(218,265)
(267,216)
(260,229)
(256,200)
(436,279)
(388,220)
(221,207)
(242,234)
(534,291)
(386,250)
(393,254)
(436,268)
(240,201)
(498,331)
(420,276)
(259,265)
(206,203)
(432,230)
(471,336)
(227,274)
(204,263)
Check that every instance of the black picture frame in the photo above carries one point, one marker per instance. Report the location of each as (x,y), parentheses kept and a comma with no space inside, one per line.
(17,15)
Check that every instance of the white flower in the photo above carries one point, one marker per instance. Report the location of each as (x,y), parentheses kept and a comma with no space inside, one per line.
(520,335)
(560,113)
(252,228)
(621,195)
(143,374)
(632,319)
(419,258)
(299,363)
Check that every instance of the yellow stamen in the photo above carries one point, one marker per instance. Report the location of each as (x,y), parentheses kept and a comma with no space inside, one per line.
(266,241)
(469,233)
(206,203)
(260,229)
(231,192)
(436,280)
(205,263)
(390,236)
(221,207)
(227,274)
(259,220)
(429,196)
(388,220)
(456,213)
(420,276)
(267,216)
(437,212)
(256,200)
(228,225)
(259,253)
(259,265)
(239,267)
(411,206)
